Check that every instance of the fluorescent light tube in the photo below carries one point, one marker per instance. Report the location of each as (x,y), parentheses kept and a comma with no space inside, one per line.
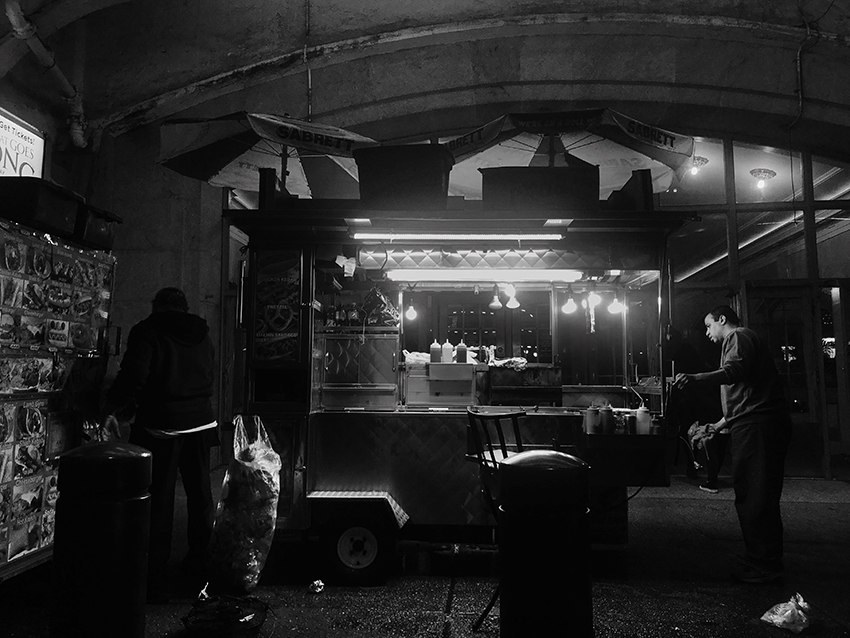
(458,236)
(495,275)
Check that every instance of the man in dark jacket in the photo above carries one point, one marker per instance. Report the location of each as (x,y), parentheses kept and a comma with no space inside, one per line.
(757,415)
(164,388)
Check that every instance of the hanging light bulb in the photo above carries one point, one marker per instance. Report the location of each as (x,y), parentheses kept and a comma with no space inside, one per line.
(510,291)
(495,304)
(569,307)
(593,299)
(410,313)
(616,307)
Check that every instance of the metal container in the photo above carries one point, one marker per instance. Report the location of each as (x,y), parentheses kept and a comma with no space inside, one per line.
(592,423)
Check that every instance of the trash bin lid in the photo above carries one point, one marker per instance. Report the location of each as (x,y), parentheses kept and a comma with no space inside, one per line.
(544,483)
(112,468)
(546,459)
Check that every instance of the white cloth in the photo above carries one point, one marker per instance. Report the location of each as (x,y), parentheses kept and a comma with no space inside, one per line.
(168,434)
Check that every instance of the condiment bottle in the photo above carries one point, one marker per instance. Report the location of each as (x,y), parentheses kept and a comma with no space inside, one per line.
(447,352)
(436,352)
(644,420)
(606,418)
(460,356)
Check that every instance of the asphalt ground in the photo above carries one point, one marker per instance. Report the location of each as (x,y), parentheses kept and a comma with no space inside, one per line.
(672,579)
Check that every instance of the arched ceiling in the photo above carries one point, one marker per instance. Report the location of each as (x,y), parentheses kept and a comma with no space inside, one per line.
(400,70)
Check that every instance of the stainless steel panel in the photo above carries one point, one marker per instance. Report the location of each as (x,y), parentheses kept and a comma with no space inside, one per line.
(378,357)
(342,359)
(418,459)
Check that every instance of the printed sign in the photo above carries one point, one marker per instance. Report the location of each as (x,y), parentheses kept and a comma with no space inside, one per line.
(21,148)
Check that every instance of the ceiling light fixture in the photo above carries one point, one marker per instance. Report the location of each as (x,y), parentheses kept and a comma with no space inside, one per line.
(413,237)
(481,275)
(698,163)
(495,303)
(616,307)
(762,175)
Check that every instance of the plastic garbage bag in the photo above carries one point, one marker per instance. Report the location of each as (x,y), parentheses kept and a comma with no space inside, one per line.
(246,514)
(378,310)
(789,615)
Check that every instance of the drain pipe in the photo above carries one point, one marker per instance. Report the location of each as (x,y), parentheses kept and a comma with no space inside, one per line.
(25,30)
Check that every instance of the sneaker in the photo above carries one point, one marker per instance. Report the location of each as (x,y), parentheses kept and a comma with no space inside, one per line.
(711,488)
(756,575)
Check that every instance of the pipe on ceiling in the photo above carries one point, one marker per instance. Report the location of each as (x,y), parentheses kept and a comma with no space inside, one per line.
(25,30)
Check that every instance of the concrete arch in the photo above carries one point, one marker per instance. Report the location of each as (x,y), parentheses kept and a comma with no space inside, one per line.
(710,74)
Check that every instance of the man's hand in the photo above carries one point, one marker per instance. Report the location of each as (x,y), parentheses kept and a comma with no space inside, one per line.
(115,430)
(682,380)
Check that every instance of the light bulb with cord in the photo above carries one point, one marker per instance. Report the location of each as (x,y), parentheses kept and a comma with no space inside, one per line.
(410,313)
(569,307)
(593,299)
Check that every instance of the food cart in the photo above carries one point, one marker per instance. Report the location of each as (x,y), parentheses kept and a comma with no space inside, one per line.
(340,305)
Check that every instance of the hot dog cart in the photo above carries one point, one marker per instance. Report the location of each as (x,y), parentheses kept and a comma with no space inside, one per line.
(340,306)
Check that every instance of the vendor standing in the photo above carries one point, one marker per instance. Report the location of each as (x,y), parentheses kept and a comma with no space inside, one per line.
(757,415)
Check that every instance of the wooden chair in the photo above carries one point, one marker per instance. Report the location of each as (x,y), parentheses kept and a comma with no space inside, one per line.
(491,437)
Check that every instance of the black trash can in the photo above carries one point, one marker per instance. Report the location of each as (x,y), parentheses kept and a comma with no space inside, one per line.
(101,542)
(544,546)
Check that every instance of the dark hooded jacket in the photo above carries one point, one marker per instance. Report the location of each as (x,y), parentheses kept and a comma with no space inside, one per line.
(166,376)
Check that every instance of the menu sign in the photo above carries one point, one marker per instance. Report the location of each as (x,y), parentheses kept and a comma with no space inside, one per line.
(278,297)
(21,148)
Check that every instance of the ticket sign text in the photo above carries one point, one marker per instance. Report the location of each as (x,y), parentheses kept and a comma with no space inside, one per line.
(21,148)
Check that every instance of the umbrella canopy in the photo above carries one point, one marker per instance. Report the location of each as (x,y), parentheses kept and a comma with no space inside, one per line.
(229,150)
(614,142)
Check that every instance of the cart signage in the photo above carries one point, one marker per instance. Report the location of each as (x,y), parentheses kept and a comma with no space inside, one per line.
(278,300)
(319,138)
(21,148)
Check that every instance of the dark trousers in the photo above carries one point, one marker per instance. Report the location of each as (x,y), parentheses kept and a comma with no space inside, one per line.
(758,469)
(190,455)
(715,452)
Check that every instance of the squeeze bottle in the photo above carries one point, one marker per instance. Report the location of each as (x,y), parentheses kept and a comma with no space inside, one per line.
(435,352)
(447,352)
(644,420)
(461,352)
(606,419)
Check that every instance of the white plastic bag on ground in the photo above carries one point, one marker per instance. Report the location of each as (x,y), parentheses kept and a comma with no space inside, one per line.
(790,615)
(247,512)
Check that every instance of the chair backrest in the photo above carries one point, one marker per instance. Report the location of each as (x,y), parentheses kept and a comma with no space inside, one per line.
(492,437)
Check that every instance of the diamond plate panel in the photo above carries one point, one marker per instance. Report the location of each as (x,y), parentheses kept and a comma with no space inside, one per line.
(419,459)
(377,360)
(375,257)
(342,356)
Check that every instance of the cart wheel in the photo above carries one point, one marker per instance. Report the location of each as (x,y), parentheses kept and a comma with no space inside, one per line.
(360,551)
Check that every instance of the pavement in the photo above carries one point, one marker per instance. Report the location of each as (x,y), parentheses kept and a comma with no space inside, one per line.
(672,579)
